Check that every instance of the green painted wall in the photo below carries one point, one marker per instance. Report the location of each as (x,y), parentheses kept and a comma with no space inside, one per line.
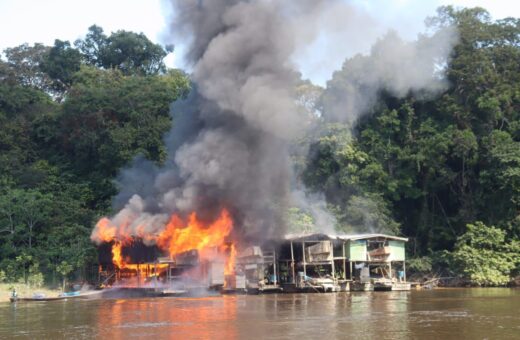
(396,250)
(357,250)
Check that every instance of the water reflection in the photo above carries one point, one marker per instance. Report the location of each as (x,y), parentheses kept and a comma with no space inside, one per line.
(200,318)
(311,316)
(446,314)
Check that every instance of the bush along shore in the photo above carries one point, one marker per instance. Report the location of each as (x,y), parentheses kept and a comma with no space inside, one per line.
(24,290)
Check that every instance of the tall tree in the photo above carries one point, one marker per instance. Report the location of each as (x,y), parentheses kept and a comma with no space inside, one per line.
(24,65)
(129,52)
(61,63)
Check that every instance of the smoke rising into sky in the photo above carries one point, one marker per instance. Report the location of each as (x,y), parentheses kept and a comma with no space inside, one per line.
(393,65)
(317,61)
(229,146)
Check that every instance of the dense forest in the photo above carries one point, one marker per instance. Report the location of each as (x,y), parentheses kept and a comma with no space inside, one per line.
(443,171)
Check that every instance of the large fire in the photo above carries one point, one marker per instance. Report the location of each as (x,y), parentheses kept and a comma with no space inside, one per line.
(178,236)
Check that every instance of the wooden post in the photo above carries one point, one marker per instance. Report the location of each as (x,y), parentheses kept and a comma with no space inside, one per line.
(292,264)
(274,267)
(155,276)
(332,255)
(404,271)
(344,262)
(351,271)
(304,263)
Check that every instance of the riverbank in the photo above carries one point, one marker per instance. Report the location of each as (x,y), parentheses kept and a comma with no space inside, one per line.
(24,290)
(433,280)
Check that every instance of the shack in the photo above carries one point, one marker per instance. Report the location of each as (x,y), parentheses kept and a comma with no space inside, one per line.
(325,262)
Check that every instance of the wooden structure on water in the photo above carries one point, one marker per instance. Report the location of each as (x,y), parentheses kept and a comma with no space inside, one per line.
(314,262)
(342,262)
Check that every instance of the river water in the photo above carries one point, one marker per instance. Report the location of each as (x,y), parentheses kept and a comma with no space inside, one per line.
(435,314)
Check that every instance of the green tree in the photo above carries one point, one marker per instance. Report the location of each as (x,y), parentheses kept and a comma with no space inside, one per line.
(484,256)
(500,177)
(23,66)
(64,269)
(108,118)
(23,260)
(23,211)
(351,181)
(60,64)
(35,277)
(129,52)
(299,221)
(92,46)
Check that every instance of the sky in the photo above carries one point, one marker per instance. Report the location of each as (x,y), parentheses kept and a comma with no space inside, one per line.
(33,21)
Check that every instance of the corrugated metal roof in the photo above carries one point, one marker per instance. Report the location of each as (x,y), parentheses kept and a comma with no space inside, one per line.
(367,236)
(345,237)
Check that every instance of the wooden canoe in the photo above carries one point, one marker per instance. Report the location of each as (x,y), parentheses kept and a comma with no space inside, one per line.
(25,299)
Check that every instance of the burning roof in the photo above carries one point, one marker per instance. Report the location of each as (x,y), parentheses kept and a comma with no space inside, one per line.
(176,237)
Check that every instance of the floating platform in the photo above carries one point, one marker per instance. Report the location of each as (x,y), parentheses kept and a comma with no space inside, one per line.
(130,292)
(400,286)
(361,286)
(270,289)
(175,292)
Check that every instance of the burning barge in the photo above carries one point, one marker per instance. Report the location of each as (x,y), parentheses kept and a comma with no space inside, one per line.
(296,263)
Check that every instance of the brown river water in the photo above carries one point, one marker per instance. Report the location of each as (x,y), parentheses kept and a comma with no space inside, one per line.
(435,314)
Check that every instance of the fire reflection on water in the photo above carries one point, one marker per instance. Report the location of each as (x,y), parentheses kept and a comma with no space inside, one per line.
(437,314)
(179,318)
(241,317)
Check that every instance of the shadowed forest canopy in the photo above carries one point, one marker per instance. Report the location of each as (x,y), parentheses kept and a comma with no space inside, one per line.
(443,170)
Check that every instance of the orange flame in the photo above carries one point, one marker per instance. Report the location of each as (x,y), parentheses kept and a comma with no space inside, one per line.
(230,263)
(177,238)
(117,257)
(106,231)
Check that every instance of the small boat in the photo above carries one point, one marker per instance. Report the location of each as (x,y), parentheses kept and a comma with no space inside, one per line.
(63,296)
(33,299)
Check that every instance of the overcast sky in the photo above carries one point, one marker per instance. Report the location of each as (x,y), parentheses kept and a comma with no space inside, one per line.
(43,21)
